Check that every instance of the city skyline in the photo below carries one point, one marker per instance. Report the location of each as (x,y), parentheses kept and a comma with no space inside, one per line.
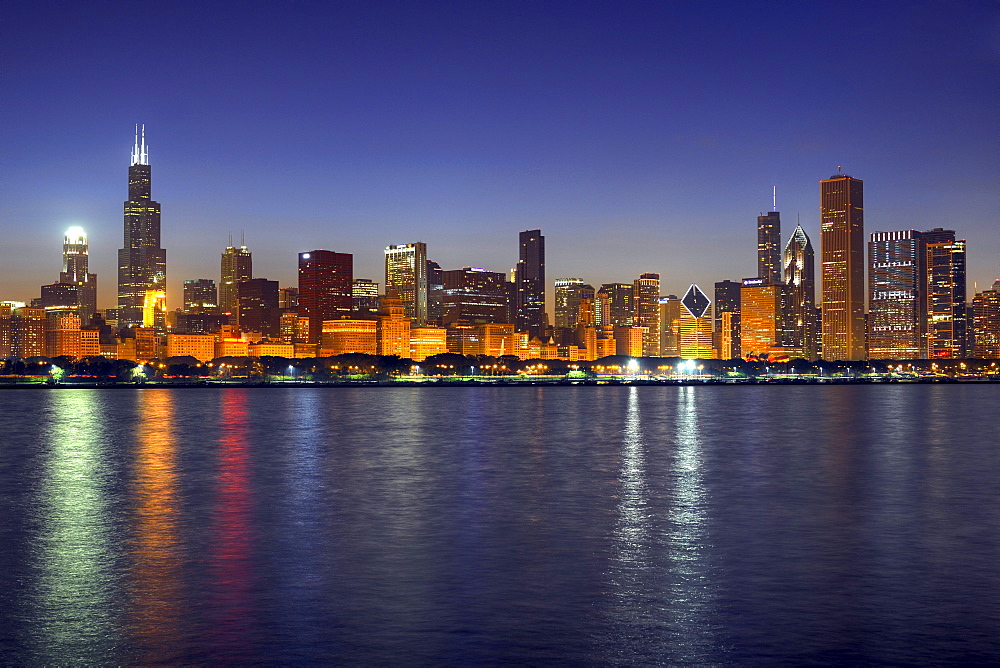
(632,153)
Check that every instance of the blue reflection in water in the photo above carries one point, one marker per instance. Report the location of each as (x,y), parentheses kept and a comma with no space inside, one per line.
(74,609)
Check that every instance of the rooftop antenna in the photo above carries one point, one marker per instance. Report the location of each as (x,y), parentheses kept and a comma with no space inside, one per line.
(774,198)
(230,239)
(838,169)
(243,243)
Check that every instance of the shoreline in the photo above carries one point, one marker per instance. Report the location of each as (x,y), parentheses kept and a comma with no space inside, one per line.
(496,383)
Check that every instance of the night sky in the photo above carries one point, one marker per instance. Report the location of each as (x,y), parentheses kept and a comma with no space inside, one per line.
(637,136)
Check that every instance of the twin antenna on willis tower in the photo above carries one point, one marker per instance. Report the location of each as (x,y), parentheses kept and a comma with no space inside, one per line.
(140,154)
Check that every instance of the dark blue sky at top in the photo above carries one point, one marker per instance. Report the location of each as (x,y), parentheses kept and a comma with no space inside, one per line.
(637,136)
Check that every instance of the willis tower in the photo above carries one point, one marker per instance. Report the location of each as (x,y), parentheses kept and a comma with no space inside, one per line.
(142,264)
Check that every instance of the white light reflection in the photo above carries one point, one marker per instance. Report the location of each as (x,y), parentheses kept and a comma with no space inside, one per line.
(692,587)
(630,568)
(74,611)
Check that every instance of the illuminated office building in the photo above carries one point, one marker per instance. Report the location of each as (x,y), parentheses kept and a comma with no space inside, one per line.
(762,317)
(28,332)
(670,319)
(427,341)
(897,317)
(76,271)
(154,310)
(696,340)
(406,273)
(257,307)
(800,307)
(616,304)
(530,306)
(364,295)
(142,264)
(201,296)
(567,298)
(325,288)
(769,248)
(288,299)
(237,266)
(435,290)
(349,335)
(475,296)
(843,260)
(727,331)
(945,294)
(986,322)
(393,326)
(646,300)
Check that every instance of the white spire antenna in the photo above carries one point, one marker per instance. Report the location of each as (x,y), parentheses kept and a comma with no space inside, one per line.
(140,155)
(774,198)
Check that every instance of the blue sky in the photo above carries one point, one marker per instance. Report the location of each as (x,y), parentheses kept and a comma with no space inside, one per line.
(638,136)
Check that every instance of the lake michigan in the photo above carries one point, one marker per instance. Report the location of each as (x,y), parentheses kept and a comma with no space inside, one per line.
(457,525)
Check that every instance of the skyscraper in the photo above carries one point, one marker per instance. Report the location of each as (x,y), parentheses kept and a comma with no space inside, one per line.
(769,247)
(615,305)
(800,308)
(986,318)
(530,306)
(257,307)
(237,265)
(569,293)
(762,317)
(201,296)
(364,294)
(406,273)
(563,296)
(727,329)
(646,290)
(897,315)
(842,239)
(142,264)
(945,295)
(75,270)
(474,296)
(326,283)
(695,337)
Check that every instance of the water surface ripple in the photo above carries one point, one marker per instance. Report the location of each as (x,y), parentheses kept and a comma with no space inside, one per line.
(613,525)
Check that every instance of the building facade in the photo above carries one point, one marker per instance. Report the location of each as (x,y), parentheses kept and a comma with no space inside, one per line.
(406,273)
(897,316)
(843,260)
(236,266)
(799,273)
(530,306)
(326,281)
(947,313)
(76,271)
(142,263)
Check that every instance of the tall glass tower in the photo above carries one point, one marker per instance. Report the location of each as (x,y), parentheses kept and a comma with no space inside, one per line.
(406,271)
(800,279)
(530,307)
(142,263)
(236,267)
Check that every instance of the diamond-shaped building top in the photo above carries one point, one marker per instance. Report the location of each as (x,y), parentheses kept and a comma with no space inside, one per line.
(696,301)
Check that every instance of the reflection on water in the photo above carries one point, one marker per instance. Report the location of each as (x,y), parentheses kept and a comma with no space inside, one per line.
(786,524)
(632,529)
(692,586)
(232,615)
(155,590)
(75,558)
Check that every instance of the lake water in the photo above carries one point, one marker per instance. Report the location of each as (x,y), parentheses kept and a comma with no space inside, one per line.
(750,524)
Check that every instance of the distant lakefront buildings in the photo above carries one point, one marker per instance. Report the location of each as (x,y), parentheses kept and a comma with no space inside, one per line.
(912,307)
